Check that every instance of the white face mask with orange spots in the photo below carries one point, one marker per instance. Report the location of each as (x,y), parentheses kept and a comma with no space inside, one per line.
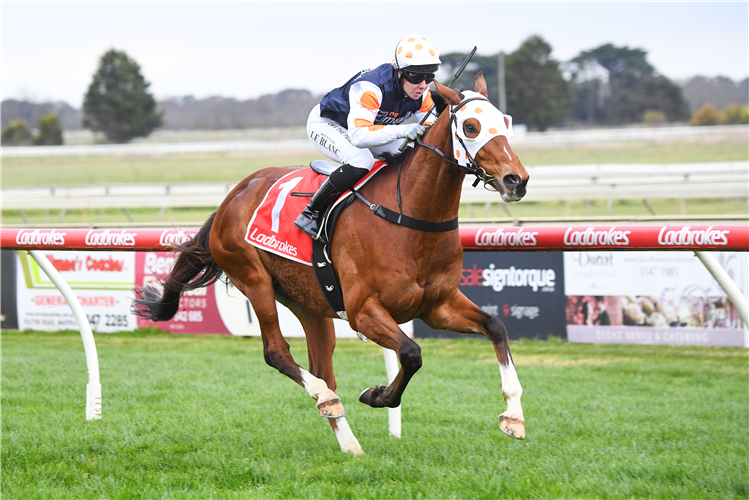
(492,123)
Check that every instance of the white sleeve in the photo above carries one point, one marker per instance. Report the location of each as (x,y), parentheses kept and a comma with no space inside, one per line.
(365,99)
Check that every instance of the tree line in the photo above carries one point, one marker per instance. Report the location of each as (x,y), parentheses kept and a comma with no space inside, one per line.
(607,85)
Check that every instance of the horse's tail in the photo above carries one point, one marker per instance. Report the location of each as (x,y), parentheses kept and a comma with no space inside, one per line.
(194,268)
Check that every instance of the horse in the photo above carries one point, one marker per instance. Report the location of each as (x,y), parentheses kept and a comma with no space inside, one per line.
(389,274)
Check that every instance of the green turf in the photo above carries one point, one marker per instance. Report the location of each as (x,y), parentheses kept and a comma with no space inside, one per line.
(203,417)
(652,152)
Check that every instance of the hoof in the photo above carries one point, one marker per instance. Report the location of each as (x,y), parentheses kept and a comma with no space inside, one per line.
(373,396)
(513,427)
(331,408)
(354,450)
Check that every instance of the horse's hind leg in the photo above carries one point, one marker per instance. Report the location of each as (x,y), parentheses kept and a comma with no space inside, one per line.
(258,287)
(321,340)
(463,316)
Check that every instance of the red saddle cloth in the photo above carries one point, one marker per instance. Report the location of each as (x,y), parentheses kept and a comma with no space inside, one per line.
(272,225)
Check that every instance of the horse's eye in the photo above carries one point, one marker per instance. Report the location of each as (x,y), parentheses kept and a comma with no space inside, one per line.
(470,128)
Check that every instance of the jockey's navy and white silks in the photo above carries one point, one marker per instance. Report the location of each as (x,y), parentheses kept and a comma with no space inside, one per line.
(365,114)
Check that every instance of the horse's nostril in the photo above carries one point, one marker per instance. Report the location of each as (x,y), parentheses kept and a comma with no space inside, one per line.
(512,180)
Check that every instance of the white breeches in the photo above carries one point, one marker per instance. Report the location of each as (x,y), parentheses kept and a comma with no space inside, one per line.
(333,141)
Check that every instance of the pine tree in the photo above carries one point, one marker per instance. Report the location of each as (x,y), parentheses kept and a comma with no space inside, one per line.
(117,102)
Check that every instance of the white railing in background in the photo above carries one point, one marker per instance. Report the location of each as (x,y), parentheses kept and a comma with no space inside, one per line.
(547,183)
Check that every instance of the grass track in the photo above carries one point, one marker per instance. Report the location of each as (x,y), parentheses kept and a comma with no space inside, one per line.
(204,417)
(233,167)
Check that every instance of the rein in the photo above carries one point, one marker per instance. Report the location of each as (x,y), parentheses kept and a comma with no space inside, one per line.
(473,168)
(405,220)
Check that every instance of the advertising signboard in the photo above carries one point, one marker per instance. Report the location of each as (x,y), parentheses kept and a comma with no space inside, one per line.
(651,298)
(102,282)
(524,289)
(218,308)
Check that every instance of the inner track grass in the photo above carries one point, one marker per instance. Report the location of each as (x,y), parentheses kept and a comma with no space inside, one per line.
(204,417)
(233,167)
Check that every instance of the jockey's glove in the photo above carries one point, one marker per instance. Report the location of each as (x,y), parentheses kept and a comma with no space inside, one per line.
(412,131)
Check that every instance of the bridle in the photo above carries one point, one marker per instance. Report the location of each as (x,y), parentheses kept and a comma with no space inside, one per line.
(473,168)
(491,183)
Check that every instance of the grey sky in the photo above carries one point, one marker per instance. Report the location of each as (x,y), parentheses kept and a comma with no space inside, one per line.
(244,50)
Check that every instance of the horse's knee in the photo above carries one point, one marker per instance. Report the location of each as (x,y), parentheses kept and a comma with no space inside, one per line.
(410,356)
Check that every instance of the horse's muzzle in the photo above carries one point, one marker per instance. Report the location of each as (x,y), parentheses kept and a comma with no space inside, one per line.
(515,187)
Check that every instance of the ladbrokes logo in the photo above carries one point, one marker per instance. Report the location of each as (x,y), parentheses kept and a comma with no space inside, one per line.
(687,237)
(170,239)
(37,237)
(591,237)
(106,238)
(498,279)
(502,238)
(272,242)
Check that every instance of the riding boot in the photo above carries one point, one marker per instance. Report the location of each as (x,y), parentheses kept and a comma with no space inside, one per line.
(340,180)
(309,220)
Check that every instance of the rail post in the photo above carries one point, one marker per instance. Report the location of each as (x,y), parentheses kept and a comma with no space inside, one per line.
(93,388)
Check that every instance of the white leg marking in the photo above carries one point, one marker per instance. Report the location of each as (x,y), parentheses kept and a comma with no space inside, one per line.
(511,390)
(316,387)
(346,438)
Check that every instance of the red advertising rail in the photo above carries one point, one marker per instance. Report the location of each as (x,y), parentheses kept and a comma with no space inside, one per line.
(548,238)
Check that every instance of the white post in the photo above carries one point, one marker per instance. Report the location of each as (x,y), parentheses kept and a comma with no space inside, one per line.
(394,414)
(501,80)
(732,290)
(93,389)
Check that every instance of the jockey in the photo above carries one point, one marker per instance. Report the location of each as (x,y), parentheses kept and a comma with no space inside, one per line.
(362,120)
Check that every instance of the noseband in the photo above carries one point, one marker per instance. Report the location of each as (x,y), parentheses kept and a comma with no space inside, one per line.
(473,168)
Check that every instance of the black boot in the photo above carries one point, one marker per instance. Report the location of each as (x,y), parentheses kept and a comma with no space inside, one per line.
(309,220)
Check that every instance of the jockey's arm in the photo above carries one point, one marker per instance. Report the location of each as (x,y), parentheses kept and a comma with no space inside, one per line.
(365,99)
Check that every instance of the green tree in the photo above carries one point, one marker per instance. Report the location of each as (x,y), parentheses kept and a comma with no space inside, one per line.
(17,133)
(50,132)
(617,85)
(537,93)
(117,102)
(735,114)
(655,93)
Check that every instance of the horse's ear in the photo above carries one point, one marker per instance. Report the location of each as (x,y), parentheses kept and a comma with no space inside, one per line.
(479,84)
(507,122)
(451,97)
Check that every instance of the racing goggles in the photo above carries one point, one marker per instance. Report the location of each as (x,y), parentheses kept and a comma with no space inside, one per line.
(417,78)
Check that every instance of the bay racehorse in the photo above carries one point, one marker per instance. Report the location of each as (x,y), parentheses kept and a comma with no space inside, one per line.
(389,274)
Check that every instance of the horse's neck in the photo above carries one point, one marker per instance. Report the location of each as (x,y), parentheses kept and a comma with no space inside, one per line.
(430,186)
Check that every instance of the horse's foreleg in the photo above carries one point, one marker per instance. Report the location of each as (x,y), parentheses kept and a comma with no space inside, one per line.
(320,334)
(460,315)
(377,324)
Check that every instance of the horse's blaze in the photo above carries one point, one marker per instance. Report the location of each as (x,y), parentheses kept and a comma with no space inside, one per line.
(331,409)
(513,427)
